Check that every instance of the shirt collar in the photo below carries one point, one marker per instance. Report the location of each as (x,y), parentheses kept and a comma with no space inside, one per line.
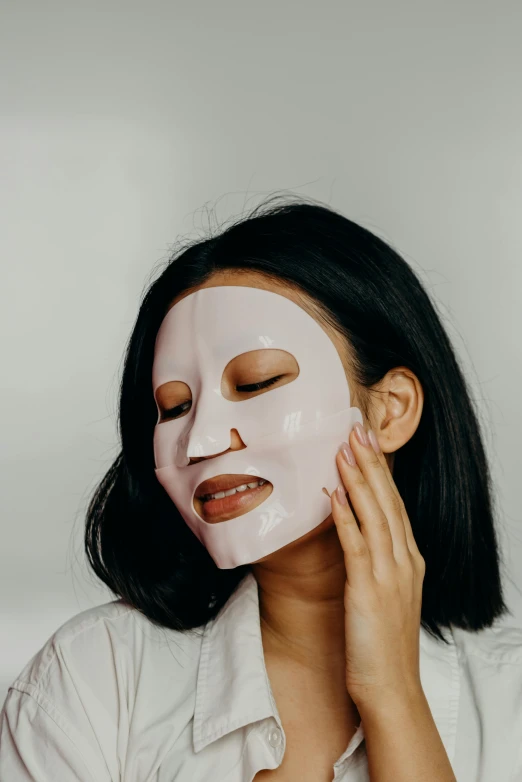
(233,689)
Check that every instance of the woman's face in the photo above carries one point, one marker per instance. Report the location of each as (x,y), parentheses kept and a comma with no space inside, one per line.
(245,375)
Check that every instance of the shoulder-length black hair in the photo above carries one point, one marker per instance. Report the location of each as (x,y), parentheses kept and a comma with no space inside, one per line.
(137,542)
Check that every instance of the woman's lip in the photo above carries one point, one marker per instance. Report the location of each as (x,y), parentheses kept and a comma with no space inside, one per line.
(224,483)
(233,505)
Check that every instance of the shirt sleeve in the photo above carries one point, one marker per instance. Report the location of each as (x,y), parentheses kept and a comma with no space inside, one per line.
(38,745)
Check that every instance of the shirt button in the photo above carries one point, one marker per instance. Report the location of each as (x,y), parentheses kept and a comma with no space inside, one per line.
(274,737)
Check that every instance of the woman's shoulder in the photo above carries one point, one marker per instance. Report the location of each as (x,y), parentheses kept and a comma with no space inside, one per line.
(112,641)
(488,713)
(108,664)
(484,666)
(498,644)
(490,664)
(103,671)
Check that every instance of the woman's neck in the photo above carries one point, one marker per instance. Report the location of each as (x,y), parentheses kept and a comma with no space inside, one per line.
(301,601)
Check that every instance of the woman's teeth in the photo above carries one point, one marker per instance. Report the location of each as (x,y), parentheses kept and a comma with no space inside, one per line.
(244,486)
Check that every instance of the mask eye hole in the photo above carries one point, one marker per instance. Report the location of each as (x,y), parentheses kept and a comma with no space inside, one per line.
(245,376)
(257,372)
(174,400)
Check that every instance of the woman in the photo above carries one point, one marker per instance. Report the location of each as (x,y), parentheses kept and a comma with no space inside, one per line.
(270,625)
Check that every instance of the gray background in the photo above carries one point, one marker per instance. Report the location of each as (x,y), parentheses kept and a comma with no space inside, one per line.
(125,126)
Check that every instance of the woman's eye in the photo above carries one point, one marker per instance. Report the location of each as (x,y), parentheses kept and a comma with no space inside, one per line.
(174,412)
(259,386)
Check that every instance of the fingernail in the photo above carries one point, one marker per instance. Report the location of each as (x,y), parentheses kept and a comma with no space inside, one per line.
(348,454)
(361,434)
(374,441)
(341,495)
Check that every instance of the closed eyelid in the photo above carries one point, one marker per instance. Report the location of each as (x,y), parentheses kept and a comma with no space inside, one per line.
(261,384)
(168,389)
(266,363)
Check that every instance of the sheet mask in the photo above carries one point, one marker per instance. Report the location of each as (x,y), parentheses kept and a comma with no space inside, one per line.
(292,432)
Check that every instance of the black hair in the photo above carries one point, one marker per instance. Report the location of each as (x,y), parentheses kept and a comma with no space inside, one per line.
(136,540)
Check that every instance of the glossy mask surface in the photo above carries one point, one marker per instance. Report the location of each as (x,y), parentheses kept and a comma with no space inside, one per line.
(292,432)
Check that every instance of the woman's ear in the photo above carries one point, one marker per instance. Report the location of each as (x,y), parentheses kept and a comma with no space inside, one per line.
(396,408)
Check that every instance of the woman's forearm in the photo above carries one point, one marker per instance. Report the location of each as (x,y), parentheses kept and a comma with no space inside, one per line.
(403,743)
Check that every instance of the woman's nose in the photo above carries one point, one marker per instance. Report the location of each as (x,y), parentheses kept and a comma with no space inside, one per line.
(236,444)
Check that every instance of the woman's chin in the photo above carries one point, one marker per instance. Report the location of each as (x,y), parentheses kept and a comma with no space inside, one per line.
(299,543)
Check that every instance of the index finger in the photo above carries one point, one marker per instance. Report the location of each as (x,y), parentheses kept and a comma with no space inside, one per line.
(410,538)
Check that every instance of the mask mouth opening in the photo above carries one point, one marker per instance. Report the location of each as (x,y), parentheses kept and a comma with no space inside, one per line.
(227,496)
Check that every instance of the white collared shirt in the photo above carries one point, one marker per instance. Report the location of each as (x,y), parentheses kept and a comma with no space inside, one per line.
(112,697)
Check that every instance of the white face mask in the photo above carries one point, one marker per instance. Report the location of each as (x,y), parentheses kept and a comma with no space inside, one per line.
(292,432)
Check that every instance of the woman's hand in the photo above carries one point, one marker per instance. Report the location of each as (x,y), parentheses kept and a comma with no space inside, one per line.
(384,570)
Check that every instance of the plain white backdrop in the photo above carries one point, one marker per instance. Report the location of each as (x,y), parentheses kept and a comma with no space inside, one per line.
(125,126)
